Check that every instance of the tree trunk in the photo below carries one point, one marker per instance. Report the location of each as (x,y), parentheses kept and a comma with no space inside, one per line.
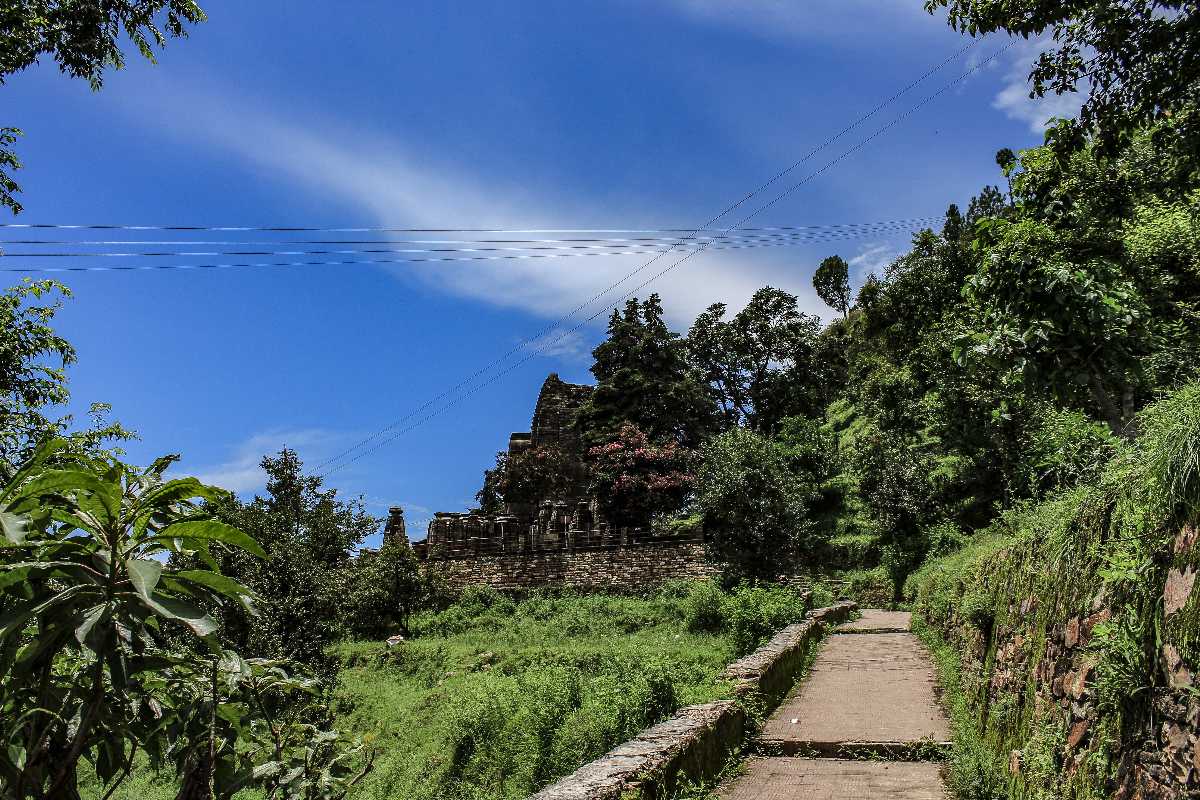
(1108,407)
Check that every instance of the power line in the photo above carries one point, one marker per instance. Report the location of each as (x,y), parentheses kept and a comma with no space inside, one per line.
(755,230)
(297,229)
(340,461)
(564,245)
(409,260)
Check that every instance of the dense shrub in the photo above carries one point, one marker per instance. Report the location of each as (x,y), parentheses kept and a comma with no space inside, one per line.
(755,507)
(752,614)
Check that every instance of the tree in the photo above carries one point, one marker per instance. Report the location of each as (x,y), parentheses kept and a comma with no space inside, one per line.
(33,362)
(530,476)
(894,479)
(757,508)
(82,581)
(91,663)
(386,587)
(643,378)
(309,535)
(33,359)
(635,479)
(760,364)
(84,40)
(1138,60)
(832,283)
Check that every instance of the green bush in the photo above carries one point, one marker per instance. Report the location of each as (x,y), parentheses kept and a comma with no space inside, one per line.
(753,613)
(702,607)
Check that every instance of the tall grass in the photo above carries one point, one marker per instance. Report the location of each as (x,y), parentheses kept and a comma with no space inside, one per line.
(494,698)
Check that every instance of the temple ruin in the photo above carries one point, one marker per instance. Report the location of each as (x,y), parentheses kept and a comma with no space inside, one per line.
(557,539)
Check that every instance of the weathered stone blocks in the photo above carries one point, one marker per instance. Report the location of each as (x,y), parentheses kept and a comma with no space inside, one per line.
(696,742)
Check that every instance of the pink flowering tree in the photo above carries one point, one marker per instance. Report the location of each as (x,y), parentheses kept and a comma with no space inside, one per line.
(635,479)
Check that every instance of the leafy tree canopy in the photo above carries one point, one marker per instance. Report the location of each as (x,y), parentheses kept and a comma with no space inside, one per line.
(832,284)
(1138,60)
(759,362)
(643,378)
(84,39)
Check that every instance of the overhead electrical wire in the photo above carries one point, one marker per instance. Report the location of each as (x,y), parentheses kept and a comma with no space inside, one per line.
(357,451)
(550,244)
(137,267)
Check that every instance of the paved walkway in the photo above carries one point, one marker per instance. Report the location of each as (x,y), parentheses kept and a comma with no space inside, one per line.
(869,696)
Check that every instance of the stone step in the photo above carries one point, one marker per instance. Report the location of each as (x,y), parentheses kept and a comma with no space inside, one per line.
(877,688)
(925,750)
(874,620)
(836,779)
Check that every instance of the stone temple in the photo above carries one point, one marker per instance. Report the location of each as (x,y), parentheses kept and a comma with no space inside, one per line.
(556,540)
(552,523)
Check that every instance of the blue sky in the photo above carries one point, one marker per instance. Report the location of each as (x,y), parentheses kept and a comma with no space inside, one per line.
(578,115)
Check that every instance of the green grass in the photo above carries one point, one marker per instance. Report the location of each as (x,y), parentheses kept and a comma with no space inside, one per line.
(494,698)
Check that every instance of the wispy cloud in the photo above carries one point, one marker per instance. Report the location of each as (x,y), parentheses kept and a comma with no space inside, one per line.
(1014,100)
(401,185)
(837,19)
(242,473)
(565,344)
(872,259)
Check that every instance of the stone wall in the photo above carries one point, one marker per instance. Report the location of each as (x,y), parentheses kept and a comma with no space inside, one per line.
(609,568)
(696,742)
(1035,629)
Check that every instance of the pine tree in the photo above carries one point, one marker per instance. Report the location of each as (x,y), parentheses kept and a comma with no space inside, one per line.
(643,377)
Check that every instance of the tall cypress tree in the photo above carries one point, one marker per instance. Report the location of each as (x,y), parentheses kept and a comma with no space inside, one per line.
(643,377)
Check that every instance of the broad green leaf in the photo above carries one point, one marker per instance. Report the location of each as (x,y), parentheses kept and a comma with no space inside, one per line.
(144,574)
(189,614)
(16,756)
(212,530)
(219,583)
(16,617)
(14,528)
(88,491)
(31,466)
(90,618)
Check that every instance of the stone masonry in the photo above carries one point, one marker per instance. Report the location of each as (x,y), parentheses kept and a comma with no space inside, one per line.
(559,540)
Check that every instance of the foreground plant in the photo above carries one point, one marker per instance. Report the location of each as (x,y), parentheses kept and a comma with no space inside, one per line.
(106,651)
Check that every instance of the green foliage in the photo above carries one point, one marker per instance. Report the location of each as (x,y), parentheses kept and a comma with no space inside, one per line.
(84,40)
(1066,449)
(529,476)
(1137,59)
(1169,448)
(752,614)
(756,508)
(496,698)
(832,284)
(33,361)
(703,608)
(385,587)
(91,663)
(309,535)
(762,364)
(643,378)
(635,479)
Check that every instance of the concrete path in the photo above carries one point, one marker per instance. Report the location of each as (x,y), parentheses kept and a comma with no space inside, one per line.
(869,695)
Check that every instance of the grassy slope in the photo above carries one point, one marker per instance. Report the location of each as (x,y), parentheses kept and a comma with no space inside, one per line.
(505,701)
(494,699)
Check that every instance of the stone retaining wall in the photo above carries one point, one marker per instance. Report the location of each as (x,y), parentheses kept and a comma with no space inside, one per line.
(605,568)
(695,743)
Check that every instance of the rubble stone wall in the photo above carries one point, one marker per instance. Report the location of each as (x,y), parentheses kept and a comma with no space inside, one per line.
(1032,635)
(695,743)
(614,568)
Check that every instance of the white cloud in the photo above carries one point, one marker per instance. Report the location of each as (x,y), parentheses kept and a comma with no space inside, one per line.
(562,343)
(872,259)
(241,472)
(825,19)
(1014,99)
(402,186)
